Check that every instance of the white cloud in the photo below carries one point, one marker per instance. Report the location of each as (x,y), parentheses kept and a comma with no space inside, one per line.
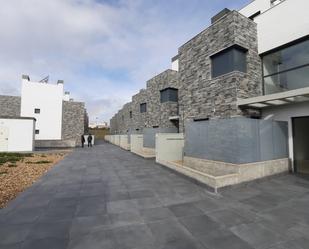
(104,50)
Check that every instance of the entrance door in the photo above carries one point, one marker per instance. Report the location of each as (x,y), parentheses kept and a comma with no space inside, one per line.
(301,144)
(4,137)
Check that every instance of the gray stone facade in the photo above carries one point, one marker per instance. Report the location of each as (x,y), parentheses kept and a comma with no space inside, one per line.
(10,106)
(139,120)
(202,96)
(73,120)
(158,113)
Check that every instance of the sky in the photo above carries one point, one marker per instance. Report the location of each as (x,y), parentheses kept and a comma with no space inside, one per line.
(104,50)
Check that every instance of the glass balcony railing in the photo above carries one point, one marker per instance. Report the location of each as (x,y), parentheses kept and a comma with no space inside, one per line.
(286,81)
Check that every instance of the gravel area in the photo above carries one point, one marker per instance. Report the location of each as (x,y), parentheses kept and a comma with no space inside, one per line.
(15,177)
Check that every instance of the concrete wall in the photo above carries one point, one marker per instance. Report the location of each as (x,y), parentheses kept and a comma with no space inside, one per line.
(237,140)
(47,98)
(203,96)
(124,142)
(73,121)
(284,22)
(136,143)
(20,134)
(255,6)
(10,106)
(150,135)
(286,113)
(169,147)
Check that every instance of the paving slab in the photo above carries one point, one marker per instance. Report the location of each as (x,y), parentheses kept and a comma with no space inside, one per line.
(106,197)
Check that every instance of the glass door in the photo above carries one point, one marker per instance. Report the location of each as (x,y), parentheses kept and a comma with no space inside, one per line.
(301,144)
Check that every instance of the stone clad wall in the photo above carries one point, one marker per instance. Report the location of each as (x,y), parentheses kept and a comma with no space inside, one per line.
(73,114)
(202,96)
(139,119)
(10,106)
(158,112)
(127,124)
(113,125)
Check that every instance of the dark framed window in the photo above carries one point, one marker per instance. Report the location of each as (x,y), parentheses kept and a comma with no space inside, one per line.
(255,15)
(287,68)
(143,107)
(37,110)
(37,131)
(130,114)
(231,59)
(169,94)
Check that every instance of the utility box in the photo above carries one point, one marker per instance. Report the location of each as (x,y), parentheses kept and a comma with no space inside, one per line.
(16,134)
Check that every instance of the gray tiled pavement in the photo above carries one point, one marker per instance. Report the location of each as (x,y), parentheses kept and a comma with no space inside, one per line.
(105,197)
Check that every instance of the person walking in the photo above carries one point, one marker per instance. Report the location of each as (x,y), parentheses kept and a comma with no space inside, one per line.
(83,140)
(89,140)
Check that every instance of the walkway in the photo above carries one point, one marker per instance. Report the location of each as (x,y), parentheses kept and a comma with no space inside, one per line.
(105,197)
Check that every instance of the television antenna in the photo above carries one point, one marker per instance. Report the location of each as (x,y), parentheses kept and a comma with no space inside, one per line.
(45,80)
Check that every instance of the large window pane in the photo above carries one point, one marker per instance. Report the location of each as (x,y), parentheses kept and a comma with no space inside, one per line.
(287,58)
(169,94)
(143,107)
(229,60)
(286,81)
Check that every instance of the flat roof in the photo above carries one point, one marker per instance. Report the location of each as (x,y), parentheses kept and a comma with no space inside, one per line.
(276,99)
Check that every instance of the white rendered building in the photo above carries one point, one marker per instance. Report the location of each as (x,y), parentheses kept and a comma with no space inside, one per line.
(60,121)
(283,44)
(43,101)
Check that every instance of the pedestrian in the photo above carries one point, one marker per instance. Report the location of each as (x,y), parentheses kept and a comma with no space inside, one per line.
(83,140)
(89,140)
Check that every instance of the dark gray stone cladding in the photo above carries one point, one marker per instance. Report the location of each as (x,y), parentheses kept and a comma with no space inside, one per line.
(204,97)
(73,120)
(139,119)
(158,113)
(200,95)
(10,106)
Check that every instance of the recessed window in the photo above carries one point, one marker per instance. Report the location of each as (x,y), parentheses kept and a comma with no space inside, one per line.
(255,15)
(274,2)
(37,131)
(122,117)
(130,114)
(169,94)
(37,110)
(229,60)
(143,107)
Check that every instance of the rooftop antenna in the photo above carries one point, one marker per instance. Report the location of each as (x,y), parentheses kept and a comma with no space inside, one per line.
(45,80)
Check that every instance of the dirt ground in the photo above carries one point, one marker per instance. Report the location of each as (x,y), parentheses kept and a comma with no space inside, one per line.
(15,177)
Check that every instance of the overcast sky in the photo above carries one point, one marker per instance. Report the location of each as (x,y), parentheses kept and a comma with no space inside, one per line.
(103,50)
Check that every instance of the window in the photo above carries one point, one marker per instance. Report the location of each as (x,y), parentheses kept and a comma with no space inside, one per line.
(229,60)
(143,107)
(37,110)
(169,94)
(130,114)
(255,15)
(37,131)
(274,2)
(287,68)
(122,117)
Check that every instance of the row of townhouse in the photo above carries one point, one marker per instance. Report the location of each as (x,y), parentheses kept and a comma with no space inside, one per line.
(238,92)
